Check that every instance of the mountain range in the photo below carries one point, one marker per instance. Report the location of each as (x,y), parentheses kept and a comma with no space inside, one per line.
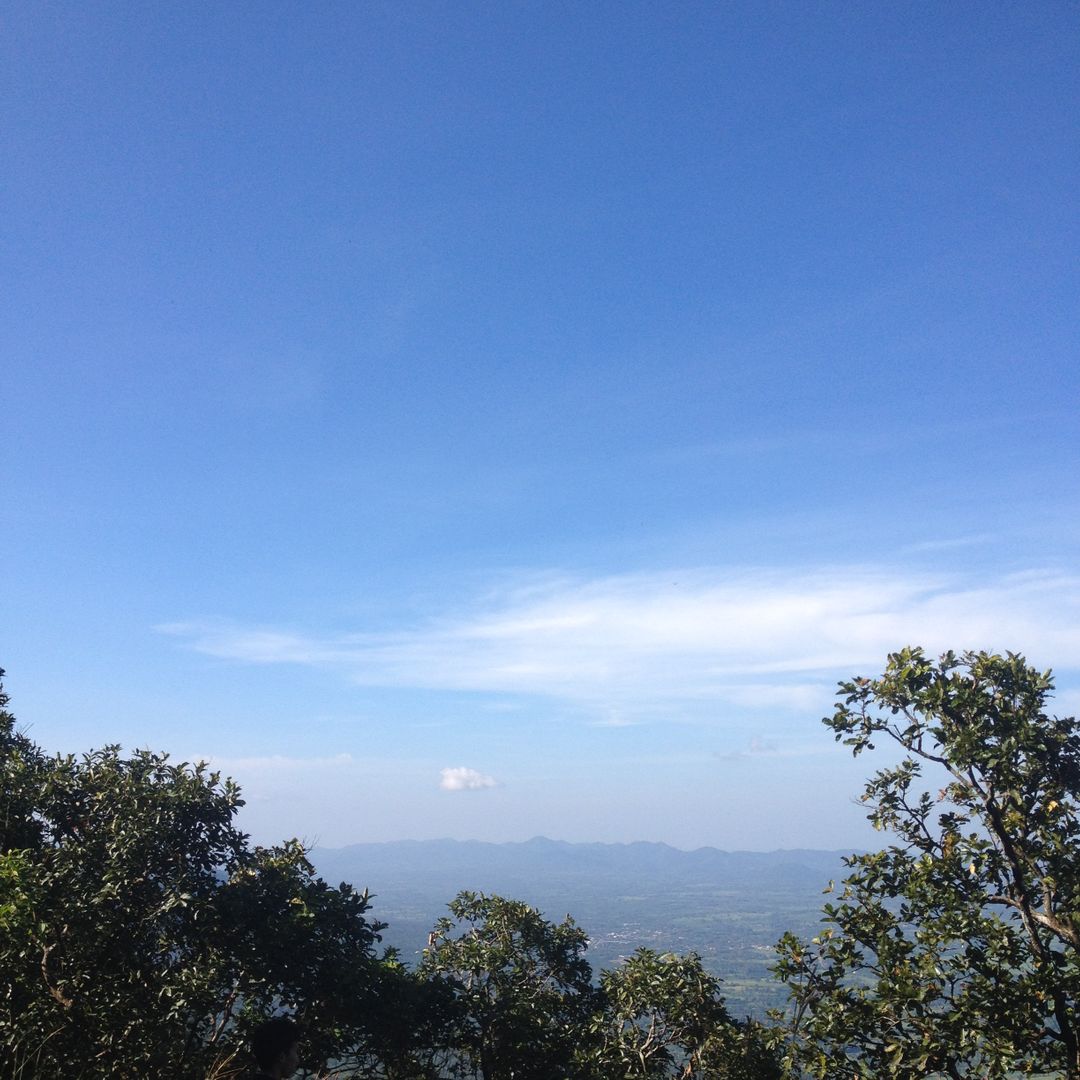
(728,906)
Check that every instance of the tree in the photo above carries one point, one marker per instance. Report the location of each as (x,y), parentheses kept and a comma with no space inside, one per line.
(526,1007)
(956,950)
(521,986)
(140,934)
(664,1016)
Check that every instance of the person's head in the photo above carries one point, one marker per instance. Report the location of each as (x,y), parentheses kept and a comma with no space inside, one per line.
(276,1046)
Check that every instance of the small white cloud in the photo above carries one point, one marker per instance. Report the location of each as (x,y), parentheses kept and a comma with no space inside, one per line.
(757,747)
(761,747)
(615,719)
(463,779)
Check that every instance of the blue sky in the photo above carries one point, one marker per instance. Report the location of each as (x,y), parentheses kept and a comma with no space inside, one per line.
(489,420)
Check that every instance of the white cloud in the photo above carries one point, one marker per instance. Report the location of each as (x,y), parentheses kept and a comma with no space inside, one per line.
(463,779)
(950,543)
(615,719)
(638,645)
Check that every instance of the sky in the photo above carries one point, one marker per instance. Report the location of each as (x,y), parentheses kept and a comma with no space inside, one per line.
(491,420)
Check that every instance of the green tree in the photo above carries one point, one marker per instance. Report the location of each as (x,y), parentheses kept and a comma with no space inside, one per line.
(140,934)
(521,988)
(955,950)
(524,1007)
(664,1016)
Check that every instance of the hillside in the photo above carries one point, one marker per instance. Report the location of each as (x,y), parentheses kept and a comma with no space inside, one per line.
(729,906)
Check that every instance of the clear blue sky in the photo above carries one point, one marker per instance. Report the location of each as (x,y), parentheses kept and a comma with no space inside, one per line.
(485,420)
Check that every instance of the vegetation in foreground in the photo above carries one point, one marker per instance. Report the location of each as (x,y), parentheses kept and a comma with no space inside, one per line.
(954,951)
(141,934)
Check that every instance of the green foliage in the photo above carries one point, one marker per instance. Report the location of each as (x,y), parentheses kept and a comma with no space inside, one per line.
(140,935)
(521,989)
(955,950)
(524,1006)
(664,1016)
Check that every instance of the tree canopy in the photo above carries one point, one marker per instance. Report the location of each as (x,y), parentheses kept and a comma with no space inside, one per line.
(524,1005)
(141,935)
(521,985)
(955,950)
(663,1015)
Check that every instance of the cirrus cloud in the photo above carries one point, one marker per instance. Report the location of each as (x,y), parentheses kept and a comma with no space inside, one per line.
(639,645)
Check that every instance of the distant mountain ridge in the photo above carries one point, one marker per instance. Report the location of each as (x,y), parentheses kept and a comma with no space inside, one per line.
(486,866)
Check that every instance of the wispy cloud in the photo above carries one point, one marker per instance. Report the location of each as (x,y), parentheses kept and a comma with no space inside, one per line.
(950,543)
(630,645)
(463,779)
(615,719)
(757,747)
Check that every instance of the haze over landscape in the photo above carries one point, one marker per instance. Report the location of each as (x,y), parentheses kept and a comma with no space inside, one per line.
(730,908)
(486,422)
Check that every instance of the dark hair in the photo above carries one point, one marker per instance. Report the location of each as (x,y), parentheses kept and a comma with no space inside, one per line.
(272,1039)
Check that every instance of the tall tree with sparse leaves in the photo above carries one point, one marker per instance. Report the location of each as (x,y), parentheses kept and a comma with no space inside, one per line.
(956,950)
